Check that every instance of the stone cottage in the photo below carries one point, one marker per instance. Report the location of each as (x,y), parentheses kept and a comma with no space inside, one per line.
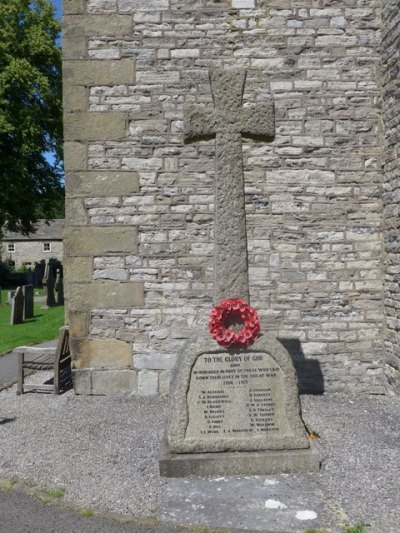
(25,250)
(322,197)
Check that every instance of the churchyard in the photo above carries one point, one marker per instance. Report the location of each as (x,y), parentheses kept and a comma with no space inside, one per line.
(43,326)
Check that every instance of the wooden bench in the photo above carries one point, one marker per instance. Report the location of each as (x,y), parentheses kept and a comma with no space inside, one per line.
(57,359)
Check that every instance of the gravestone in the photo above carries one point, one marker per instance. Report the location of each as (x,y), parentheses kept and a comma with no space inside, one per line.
(233,411)
(27,291)
(59,288)
(48,285)
(30,277)
(17,307)
(10,297)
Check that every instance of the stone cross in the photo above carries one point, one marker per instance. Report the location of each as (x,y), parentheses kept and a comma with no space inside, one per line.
(228,121)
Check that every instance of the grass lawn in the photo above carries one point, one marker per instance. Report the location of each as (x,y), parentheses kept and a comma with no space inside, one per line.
(42,327)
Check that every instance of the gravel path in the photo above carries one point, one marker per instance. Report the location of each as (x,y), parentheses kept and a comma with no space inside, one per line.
(104,452)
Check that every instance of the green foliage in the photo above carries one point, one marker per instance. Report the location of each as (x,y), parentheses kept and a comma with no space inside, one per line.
(55,492)
(5,270)
(30,114)
(358,528)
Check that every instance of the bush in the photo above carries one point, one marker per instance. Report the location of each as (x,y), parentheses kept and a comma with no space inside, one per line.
(5,271)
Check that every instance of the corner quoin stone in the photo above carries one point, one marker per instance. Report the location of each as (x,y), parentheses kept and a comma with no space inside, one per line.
(103,183)
(105,295)
(101,353)
(96,25)
(75,155)
(82,126)
(98,240)
(99,72)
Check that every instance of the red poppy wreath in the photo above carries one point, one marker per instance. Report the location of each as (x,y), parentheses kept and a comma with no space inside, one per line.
(232,311)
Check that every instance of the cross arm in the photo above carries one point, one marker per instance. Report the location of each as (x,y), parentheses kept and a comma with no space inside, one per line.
(258,121)
(199,122)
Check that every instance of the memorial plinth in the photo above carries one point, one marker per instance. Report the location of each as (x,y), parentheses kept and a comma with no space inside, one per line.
(235,412)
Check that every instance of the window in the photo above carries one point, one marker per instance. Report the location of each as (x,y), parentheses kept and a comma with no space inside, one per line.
(11,247)
(47,247)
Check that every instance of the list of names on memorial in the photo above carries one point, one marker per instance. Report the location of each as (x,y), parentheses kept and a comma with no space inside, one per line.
(233,396)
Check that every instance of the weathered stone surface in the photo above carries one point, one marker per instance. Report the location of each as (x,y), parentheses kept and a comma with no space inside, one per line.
(313,194)
(99,72)
(236,400)
(96,25)
(78,269)
(79,324)
(74,98)
(228,121)
(73,7)
(103,183)
(93,240)
(81,126)
(74,48)
(113,382)
(76,214)
(17,307)
(27,291)
(105,295)
(75,154)
(237,464)
(102,353)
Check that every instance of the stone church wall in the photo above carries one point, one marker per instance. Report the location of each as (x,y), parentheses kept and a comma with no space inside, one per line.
(139,240)
(391,189)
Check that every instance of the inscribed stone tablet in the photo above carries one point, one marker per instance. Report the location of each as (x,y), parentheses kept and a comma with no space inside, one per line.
(234,400)
(236,394)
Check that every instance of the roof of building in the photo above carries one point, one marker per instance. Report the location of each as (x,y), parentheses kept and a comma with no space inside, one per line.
(45,231)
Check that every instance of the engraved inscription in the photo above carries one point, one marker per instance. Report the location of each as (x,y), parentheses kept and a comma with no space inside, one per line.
(234,395)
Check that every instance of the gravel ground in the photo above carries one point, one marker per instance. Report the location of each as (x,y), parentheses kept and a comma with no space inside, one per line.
(104,452)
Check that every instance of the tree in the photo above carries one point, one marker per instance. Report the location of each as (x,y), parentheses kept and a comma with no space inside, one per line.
(30,114)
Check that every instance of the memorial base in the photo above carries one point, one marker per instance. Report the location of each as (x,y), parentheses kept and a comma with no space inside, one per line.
(237,463)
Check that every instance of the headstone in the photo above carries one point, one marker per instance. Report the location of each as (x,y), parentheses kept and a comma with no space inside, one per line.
(30,277)
(233,411)
(10,297)
(59,288)
(45,278)
(38,274)
(27,291)
(48,285)
(17,307)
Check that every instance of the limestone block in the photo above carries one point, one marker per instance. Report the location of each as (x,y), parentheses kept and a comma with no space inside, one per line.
(75,212)
(144,5)
(79,324)
(96,240)
(74,7)
(103,183)
(164,379)
(155,361)
(82,381)
(74,98)
(75,156)
(105,295)
(147,383)
(113,382)
(78,269)
(102,353)
(97,25)
(243,4)
(99,72)
(74,48)
(81,126)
